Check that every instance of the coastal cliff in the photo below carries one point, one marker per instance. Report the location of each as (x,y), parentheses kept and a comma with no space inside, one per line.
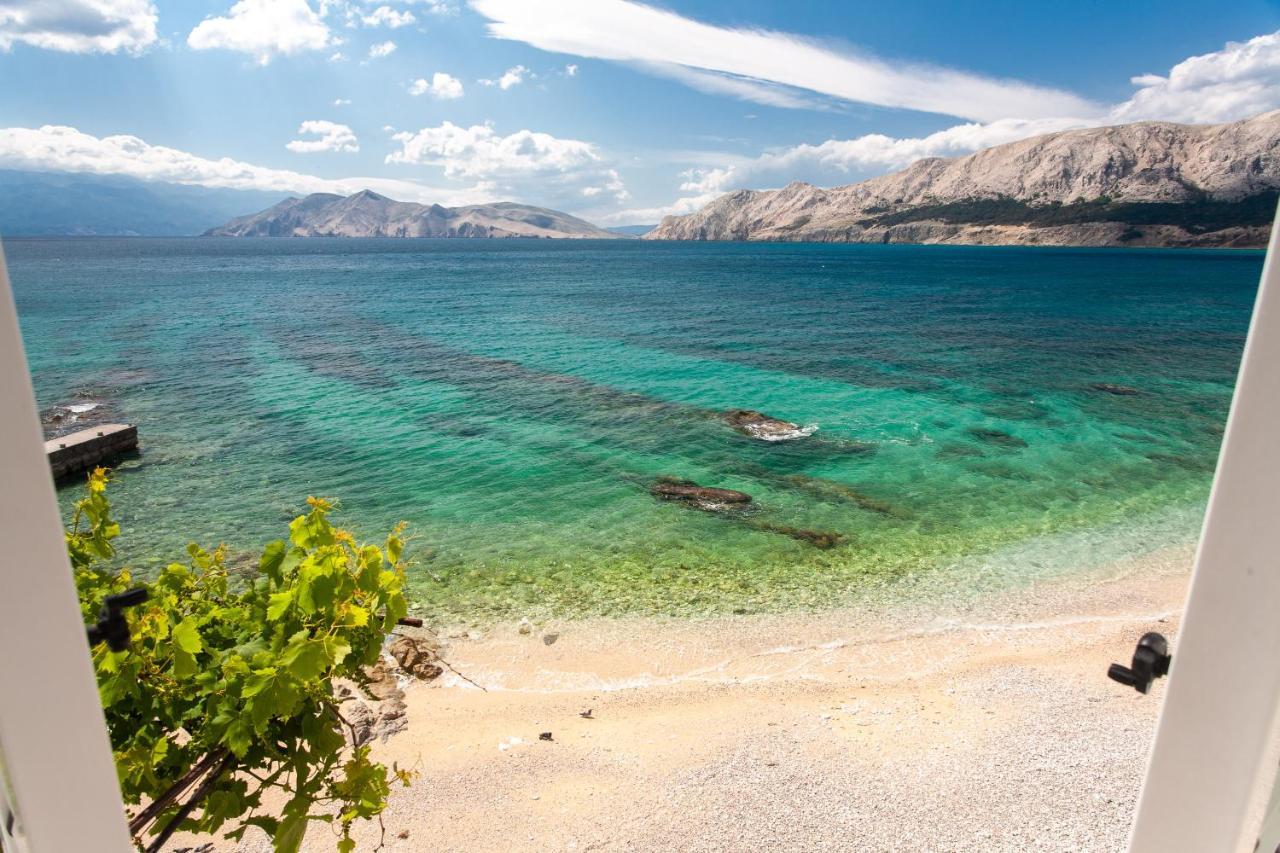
(368,214)
(1143,184)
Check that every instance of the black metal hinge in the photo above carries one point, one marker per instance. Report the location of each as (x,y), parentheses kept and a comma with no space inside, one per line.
(1151,660)
(112,628)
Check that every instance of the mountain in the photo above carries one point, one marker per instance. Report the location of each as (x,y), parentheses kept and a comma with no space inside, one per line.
(367,214)
(62,203)
(1143,184)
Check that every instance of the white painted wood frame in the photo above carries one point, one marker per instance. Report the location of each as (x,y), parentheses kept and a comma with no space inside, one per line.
(58,789)
(1217,745)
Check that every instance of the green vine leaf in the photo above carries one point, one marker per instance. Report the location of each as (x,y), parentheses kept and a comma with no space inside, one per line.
(233,680)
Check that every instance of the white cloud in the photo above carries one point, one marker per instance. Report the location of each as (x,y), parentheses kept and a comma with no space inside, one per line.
(511,77)
(442,86)
(625,31)
(329,136)
(705,180)
(525,164)
(651,215)
(337,56)
(342,102)
(385,16)
(264,29)
(611,185)
(79,26)
(479,151)
(874,152)
(745,88)
(381,49)
(1240,80)
(66,149)
(442,8)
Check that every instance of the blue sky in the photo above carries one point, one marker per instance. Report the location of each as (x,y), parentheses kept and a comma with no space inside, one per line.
(614,110)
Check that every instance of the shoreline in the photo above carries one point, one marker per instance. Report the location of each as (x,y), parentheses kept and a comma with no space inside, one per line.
(989,727)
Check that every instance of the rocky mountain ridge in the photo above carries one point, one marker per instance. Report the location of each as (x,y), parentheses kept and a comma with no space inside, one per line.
(1148,183)
(368,214)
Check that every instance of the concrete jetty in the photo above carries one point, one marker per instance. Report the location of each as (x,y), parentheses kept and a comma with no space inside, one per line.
(81,450)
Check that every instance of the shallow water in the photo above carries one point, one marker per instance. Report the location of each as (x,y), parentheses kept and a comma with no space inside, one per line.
(513,401)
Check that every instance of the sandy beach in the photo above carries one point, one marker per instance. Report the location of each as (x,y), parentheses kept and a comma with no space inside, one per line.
(989,728)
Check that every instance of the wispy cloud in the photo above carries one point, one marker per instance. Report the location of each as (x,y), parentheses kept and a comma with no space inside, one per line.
(625,31)
(79,26)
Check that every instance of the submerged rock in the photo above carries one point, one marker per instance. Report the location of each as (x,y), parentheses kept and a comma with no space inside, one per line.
(830,489)
(817,538)
(761,426)
(1118,390)
(700,497)
(995,436)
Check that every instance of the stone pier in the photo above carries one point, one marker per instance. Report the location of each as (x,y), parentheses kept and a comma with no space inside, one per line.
(82,450)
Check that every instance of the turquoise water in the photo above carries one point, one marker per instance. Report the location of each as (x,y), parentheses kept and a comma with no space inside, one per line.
(513,402)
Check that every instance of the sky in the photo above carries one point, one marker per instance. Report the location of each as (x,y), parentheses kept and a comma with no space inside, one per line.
(618,111)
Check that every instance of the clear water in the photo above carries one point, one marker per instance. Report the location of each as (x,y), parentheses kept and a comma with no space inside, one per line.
(513,401)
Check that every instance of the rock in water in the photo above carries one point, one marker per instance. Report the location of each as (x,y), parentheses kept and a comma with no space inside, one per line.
(995,436)
(1118,390)
(699,497)
(823,539)
(759,425)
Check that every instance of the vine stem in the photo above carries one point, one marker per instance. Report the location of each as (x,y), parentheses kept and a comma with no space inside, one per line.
(183,813)
(139,821)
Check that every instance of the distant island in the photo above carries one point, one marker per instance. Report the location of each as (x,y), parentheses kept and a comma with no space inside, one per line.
(368,214)
(1142,184)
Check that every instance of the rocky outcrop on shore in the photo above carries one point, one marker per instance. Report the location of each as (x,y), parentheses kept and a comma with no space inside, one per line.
(1142,184)
(374,709)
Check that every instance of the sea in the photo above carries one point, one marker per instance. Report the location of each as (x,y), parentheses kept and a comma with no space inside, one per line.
(969,418)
